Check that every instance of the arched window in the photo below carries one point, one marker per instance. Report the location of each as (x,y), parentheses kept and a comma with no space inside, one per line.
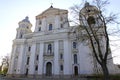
(50,27)
(49,48)
(75,58)
(91,20)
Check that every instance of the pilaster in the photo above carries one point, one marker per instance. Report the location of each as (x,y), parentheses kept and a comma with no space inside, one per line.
(21,64)
(67,58)
(40,64)
(11,65)
(32,60)
(56,58)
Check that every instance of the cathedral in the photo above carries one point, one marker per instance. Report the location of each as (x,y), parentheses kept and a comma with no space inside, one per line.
(52,50)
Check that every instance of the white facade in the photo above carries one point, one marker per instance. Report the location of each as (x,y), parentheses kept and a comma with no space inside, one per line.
(51,50)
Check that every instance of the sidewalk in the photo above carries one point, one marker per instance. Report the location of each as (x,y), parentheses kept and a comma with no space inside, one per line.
(4,78)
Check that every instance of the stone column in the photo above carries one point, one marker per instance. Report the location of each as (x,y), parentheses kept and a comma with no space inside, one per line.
(56,58)
(32,60)
(40,64)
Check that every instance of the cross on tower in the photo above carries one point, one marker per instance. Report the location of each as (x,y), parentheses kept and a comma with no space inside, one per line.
(51,4)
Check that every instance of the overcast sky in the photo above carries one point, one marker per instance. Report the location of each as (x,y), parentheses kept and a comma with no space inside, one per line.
(13,11)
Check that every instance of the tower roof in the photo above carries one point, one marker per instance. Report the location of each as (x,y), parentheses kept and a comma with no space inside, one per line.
(87,4)
(26,19)
(89,9)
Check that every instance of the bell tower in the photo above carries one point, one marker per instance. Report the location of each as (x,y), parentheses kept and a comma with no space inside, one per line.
(89,15)
(24,28)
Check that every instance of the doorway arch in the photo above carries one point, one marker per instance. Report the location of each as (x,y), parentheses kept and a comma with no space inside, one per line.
(49,69)
(76,71)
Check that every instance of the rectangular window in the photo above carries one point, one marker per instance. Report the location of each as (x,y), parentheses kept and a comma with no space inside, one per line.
(50,27)
(37,57)
(75,58)
(74,45)
(39,29)
(61,25)
(61,56)
(21,36)
(36,67)
(28,60)
(26,72)
(29,48)
(40,22)
(61,67)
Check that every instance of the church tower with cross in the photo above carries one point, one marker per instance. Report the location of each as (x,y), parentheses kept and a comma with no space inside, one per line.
(51,50)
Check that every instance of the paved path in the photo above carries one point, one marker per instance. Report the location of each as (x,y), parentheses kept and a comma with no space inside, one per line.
(3,78)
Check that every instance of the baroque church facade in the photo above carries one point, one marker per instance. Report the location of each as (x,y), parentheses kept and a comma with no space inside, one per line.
(51,50)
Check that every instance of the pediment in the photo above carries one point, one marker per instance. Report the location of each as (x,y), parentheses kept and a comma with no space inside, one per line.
(52,11)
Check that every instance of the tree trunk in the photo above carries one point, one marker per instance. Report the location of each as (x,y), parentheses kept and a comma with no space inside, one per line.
(105,71)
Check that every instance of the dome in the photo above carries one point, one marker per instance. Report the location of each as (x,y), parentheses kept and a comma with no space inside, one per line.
(87,4)
(26,19)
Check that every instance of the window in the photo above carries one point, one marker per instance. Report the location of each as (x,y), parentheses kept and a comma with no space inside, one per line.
(61,19)
(26,72)
(61,56)
(61,26)
(39,29)
(88,10)
(27,27)
(40,22)
(50,27)
(49,48)
(61,67)
(74,44)
(21,35)
(75,58)
(29,48)
(91,20)
(28,60)
(37,57)
(36,67)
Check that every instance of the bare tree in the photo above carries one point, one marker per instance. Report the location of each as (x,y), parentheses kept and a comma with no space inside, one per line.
(93,29)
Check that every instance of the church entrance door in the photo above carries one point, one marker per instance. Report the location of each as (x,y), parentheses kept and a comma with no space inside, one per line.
(49,69)
(76,71)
